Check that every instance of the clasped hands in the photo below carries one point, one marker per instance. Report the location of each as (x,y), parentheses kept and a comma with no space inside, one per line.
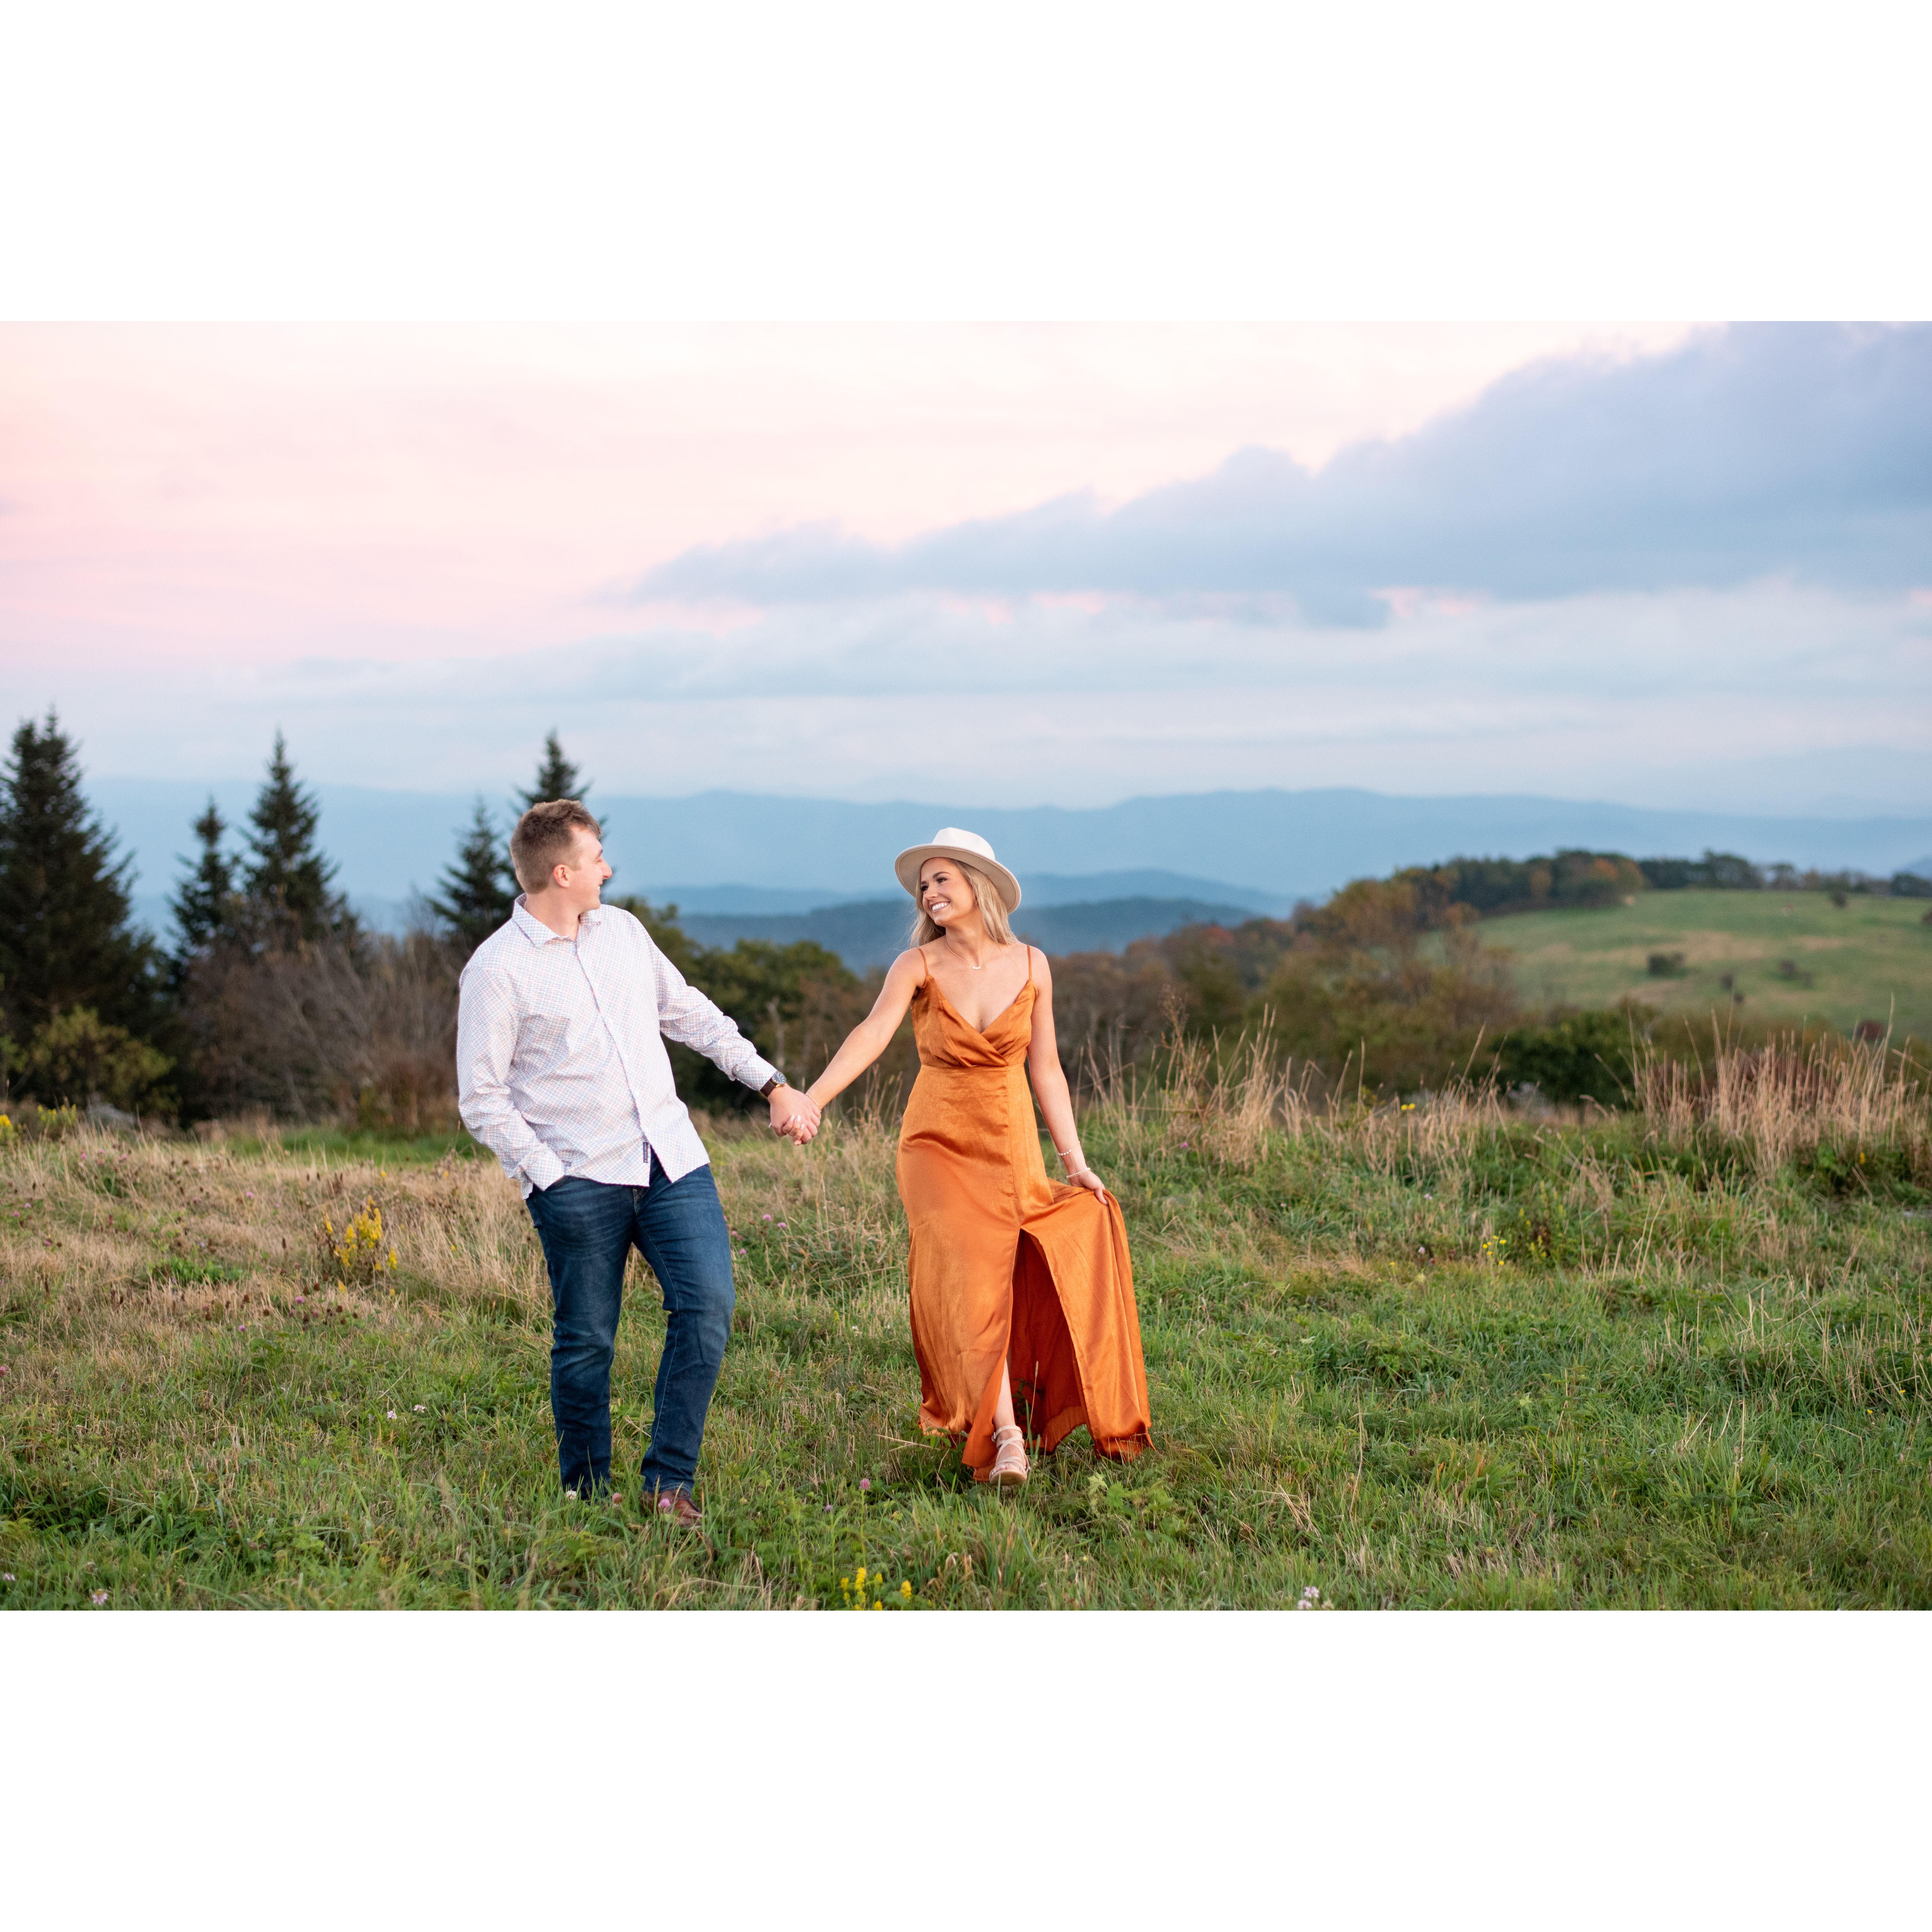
(793,1115)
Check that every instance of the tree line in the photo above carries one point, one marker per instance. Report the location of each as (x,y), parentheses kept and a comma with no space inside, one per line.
(271,996)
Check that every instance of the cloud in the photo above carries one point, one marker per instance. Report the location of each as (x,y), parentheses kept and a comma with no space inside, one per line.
(1800,451)
(1723,698)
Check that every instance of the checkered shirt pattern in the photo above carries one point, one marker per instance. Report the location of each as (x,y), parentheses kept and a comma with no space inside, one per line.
(560,1062)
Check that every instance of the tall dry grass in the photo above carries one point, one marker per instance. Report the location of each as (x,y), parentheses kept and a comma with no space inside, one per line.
(1790,1102)
(1232,1101)
(1787,1099)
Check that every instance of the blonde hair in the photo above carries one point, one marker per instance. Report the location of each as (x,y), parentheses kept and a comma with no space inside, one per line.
(986,896)
(543,837)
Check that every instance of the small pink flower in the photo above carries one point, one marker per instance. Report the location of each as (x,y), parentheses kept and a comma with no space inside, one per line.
(248,1194)
(100,1596)
(392,1415)
(422,1409)
(781,1226)
(615,1497)
(7,1576)
(764,1217)
(864,1482)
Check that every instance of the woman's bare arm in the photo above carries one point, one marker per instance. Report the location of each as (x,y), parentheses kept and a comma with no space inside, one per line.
(874,1034)
(1049,1083)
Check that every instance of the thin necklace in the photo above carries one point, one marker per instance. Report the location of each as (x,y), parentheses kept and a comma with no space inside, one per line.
(974,966)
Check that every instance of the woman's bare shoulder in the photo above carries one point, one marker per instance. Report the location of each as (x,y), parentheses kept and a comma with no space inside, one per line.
(913,960)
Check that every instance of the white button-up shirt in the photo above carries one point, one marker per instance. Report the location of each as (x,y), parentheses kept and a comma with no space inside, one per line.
(560,1062)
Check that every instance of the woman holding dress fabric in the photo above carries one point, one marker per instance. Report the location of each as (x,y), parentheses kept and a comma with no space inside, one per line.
(1023,1315)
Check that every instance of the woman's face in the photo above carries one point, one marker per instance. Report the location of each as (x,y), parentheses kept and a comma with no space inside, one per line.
(945,892)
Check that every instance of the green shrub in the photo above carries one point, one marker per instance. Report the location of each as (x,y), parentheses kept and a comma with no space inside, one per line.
(1587,1055)
(76,1057)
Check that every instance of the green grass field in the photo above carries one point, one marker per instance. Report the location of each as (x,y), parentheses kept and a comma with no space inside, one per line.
(1441,1357)
(1871,959)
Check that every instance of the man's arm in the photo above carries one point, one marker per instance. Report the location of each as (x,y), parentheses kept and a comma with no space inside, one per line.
(486,1042)
(685,1015)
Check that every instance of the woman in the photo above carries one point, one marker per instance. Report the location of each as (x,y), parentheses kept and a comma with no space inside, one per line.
(1023,1313)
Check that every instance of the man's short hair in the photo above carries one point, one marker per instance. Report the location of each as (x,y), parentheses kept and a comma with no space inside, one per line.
(543,839)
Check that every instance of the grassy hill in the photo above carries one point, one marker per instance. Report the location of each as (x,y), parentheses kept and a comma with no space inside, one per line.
(1870,959)
(1408,1357)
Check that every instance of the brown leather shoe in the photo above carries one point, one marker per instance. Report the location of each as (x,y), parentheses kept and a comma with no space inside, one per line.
(677,1503)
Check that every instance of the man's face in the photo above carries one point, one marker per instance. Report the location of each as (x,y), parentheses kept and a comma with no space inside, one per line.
(579,879)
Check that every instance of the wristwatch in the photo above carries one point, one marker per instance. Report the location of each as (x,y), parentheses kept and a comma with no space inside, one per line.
(776,1081)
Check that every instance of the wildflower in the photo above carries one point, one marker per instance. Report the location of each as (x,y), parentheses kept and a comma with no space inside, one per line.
(905,1590)
(301,1297)
(422,1409)
(764,1217)
(781,1227)
(570,1495)
(99,1596)
(392,1415)
(615,1497)
(7,1576)
(864,1482)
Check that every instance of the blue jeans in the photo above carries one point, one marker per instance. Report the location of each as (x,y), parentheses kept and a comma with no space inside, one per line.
(588,1229)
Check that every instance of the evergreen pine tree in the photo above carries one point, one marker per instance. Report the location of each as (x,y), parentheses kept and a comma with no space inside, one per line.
(287,880)
(66,938)
(479,889)
(556,777)
(203,904)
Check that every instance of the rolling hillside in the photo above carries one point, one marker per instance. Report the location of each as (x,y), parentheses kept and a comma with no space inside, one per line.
(1791,955)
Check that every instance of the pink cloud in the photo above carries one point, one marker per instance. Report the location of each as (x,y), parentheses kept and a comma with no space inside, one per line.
(251,495)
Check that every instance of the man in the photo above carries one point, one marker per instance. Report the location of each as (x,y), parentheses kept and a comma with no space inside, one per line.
(561,1072)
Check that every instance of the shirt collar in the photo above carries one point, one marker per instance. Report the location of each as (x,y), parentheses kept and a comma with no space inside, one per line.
(534,929)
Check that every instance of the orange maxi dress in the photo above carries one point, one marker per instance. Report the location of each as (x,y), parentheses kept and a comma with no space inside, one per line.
(1007,1265)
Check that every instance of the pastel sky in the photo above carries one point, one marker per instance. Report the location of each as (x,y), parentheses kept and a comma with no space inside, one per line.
(1658,563)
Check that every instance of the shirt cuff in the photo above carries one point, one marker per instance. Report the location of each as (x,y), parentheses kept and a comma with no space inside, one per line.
(755,1075)
(542,1167)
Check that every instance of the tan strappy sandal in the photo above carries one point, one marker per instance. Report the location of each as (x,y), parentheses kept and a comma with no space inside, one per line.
(1009,1461)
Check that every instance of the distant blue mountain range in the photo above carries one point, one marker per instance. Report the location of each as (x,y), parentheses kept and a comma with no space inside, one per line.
(869,932)
(739,854)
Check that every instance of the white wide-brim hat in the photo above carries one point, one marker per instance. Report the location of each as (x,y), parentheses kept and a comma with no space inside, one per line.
(950,842)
